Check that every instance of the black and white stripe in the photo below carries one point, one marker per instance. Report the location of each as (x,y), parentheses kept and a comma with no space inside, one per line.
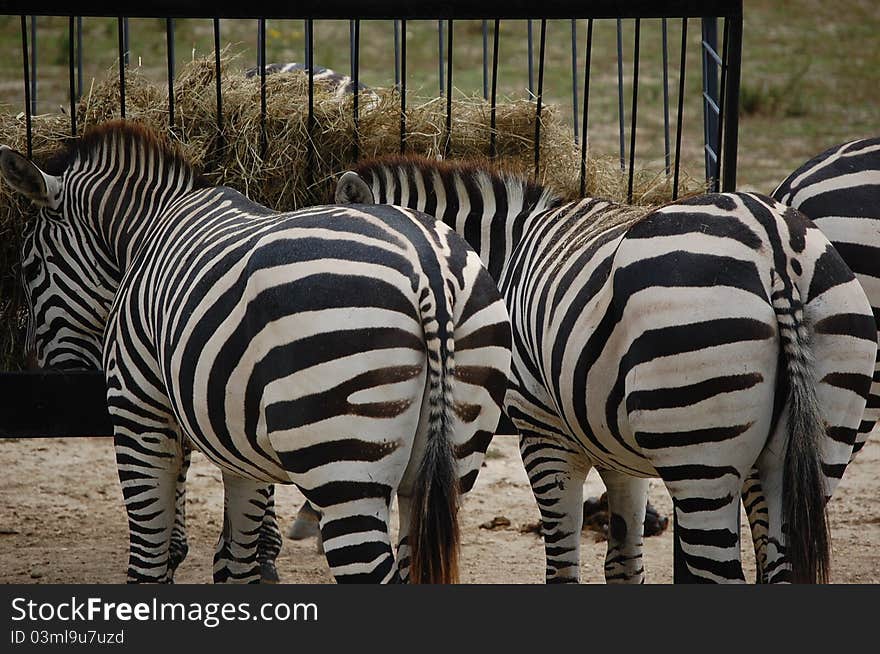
(68,305)
(692,343)
(355,353)
(839,190)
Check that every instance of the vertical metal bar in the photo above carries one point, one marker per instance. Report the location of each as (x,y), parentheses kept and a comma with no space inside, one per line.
(731,99)
(79,57)
(440,55)
(217,81)
(710,90)
(356,43)
(121,44)
(71,27)
(403,86)
(33,64)
(666,153)
(574,83)
(721,116)
(485,59)
(585,118)
(261,57)
(620,117)
(448,141)
(635,112)
(397,53)
(539,97)
(169,55)
(680,116)
(27,86)
(530,55)
(493,141)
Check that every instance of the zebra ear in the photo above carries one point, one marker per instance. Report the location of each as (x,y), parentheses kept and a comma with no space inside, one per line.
(352,189)
(25,177)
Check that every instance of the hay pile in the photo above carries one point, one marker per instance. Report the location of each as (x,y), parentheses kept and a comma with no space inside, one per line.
(282,179)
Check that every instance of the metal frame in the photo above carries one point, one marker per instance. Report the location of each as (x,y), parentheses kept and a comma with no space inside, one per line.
(48,403)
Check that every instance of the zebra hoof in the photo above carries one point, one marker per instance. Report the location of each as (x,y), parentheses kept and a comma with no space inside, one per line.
(306,524)
(269,573)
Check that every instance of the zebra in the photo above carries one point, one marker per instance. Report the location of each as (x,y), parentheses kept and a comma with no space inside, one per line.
(839,190)
(340,85)
(663,343)
(64,329)
(354,353)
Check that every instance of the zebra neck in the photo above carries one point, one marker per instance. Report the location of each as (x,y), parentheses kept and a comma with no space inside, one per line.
(128,194)
(491,211)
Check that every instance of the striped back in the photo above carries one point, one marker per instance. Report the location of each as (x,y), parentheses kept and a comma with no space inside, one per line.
(490,209)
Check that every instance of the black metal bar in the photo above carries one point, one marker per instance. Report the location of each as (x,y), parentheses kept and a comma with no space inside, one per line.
(721,117)
(666,152)
(221,142)
(33,64)
(27,87)
(403,87)
(71,27)
(530,54)
(54,403)
(574,83)
(620,116)
(586,114)
(355,78)
(680,113)
(493,141)
(423,10)
(121,44)
(448,140)
(635,112)
(261,57)
(710,91)
(485,59)
(539,98)
(731,123)
(169,56)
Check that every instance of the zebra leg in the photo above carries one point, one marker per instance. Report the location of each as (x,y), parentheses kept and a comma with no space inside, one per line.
(149,478)
(244,508)
(357,542)
(269,542)
(627,498)
(306,525)
(556,475)
(179,545)
(759,522)
(404,506)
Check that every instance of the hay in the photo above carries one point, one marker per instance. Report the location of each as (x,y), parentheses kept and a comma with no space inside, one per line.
(285,178)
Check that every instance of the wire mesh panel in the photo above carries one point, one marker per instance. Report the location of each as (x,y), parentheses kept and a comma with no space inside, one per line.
(616,76)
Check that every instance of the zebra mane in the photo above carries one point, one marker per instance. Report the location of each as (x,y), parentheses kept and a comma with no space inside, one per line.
(533,193)
(132,133)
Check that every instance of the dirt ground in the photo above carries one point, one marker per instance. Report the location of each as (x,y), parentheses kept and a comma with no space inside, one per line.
(62,521)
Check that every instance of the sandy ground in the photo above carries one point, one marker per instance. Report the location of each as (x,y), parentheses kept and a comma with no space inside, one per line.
(62,521)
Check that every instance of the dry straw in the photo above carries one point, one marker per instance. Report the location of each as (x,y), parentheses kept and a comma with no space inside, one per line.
(283,178)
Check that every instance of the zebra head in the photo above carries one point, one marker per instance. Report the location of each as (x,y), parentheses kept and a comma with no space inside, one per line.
(352,189)
(67,296)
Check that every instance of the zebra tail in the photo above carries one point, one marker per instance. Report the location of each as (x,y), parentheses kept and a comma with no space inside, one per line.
(803,487)
(434,537)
